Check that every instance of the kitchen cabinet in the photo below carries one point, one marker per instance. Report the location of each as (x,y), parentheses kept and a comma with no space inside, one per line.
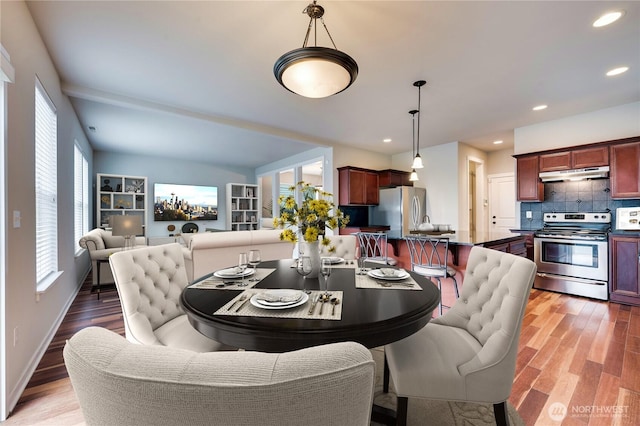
(530,188)
(574,159)
(392,178)
(625,170)
(624,269)
(358,186)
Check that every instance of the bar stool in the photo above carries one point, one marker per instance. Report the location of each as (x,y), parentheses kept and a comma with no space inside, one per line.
(373,246)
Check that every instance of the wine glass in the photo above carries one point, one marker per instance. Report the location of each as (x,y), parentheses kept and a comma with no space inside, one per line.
(326,272)
(254,261)
(304,269)
(243,261)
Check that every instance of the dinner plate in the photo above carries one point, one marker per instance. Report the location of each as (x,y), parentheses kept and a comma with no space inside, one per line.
(278,305)
(334,260)
(399,274)
(233,273)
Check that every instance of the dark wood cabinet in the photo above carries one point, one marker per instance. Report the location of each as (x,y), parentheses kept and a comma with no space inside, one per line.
(625,170)
(530,188)
(358,187)
(555,161)
(575,159)
(624,269)
(392,178)
(590,157)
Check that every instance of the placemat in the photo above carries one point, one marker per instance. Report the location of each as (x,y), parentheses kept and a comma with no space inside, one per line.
(213,282)
(365,281)
(300,312)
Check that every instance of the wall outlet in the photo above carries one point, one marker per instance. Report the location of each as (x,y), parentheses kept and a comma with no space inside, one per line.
(529,214)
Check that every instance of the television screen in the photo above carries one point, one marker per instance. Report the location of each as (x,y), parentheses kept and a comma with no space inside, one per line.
(185,202)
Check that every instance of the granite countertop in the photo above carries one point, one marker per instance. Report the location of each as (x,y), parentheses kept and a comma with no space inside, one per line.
(468,238)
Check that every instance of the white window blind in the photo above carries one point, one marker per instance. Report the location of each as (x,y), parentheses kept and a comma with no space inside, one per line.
(46,186)
(80,196)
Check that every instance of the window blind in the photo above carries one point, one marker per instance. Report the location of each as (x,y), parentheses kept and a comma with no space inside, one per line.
(80,196)
(46,183)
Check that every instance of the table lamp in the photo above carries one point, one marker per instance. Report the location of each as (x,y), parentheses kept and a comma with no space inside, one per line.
(126,226)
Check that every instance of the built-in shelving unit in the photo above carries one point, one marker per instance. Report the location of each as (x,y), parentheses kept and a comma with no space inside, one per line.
(243,207)
(120,195)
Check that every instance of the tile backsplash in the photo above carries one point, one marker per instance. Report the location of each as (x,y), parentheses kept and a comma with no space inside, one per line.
(581,196)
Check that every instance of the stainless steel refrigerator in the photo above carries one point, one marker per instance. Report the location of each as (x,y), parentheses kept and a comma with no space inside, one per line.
(402,208)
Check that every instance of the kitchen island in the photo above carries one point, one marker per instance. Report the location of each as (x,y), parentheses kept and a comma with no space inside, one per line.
(460,243)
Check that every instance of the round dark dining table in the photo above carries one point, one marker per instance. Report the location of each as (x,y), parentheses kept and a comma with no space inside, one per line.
(372,317)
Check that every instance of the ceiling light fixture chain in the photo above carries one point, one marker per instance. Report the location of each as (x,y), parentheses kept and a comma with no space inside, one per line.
(315,72)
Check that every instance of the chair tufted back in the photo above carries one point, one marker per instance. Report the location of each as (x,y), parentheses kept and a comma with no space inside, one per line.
(491,306)
(345,247)
(149,281)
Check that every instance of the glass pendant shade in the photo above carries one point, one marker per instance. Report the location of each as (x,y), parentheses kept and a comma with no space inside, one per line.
(413,176)
(417,162)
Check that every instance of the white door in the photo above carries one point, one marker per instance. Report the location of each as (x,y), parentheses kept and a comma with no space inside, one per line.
(502,202)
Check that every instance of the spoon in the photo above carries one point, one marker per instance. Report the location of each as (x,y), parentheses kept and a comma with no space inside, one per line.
(334,302)
(323,299)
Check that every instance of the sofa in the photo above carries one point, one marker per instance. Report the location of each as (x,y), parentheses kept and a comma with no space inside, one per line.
(101,244)
(206,252)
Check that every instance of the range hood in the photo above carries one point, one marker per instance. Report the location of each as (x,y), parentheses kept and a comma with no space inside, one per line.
(576,174)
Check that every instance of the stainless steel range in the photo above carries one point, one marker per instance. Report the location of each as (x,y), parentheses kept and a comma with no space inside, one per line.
(572,254)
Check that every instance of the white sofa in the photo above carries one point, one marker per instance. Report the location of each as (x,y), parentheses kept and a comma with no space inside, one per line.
(206,252)
(101,244)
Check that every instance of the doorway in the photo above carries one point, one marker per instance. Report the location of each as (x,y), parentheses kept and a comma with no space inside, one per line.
(502,202)
(476,201)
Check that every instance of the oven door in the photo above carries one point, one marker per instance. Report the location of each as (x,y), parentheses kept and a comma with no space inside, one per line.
(575,258)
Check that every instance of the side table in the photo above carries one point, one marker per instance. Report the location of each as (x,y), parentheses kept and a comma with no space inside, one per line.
(98,263)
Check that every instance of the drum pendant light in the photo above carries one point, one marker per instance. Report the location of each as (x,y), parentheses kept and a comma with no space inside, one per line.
(413,176)
(315,72)
(417,160)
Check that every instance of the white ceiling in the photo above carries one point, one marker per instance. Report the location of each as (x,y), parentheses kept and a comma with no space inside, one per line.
(194,80)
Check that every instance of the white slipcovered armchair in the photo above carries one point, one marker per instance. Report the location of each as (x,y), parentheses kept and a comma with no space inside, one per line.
(149,282)
(118,383)
(469,353)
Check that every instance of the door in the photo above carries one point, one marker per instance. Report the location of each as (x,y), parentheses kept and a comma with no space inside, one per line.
(502,202)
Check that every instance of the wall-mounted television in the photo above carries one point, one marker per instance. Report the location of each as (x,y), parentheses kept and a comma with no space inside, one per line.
(173,202)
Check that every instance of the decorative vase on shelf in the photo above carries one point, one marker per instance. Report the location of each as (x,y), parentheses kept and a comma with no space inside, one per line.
(313,251)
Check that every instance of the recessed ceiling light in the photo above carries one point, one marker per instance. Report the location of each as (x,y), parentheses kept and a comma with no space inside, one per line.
(617,71)
(608,18)
(497,142)
(386,140)
(539,107)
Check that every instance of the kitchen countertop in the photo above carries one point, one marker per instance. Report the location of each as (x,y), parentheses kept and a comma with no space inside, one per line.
(467,237)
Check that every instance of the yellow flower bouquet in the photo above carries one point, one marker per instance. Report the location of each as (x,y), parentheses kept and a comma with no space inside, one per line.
(315,213)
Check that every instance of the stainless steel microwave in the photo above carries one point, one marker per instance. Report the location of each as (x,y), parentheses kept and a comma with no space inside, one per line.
(628,218)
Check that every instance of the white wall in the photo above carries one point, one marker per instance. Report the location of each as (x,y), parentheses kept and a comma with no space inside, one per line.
(501,162)
(618,122)
(36,320)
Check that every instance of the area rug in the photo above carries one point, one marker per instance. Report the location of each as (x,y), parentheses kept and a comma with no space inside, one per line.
(423,412)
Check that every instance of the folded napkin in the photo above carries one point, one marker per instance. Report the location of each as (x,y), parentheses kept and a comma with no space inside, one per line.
(279,297)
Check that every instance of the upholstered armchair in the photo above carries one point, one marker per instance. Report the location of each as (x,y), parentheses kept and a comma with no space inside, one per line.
(119,383)
(101,244)
(469,353)
(149,282)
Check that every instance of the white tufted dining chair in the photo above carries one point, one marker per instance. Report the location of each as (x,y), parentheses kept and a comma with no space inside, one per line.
(149,282)
(345,247)
(119,383)
(469,353)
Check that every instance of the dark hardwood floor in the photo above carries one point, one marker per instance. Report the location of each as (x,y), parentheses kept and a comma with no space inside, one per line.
(575,354)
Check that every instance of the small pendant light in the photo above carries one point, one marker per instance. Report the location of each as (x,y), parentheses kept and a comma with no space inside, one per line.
(414,176)
(417,160)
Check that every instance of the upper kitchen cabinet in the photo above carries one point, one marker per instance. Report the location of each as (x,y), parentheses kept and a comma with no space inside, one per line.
(392,178)
(574,159)
(358,187)
(625,170)
(530,188)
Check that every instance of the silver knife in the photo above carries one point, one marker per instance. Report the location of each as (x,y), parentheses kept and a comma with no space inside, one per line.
(242,304)
(313,304)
